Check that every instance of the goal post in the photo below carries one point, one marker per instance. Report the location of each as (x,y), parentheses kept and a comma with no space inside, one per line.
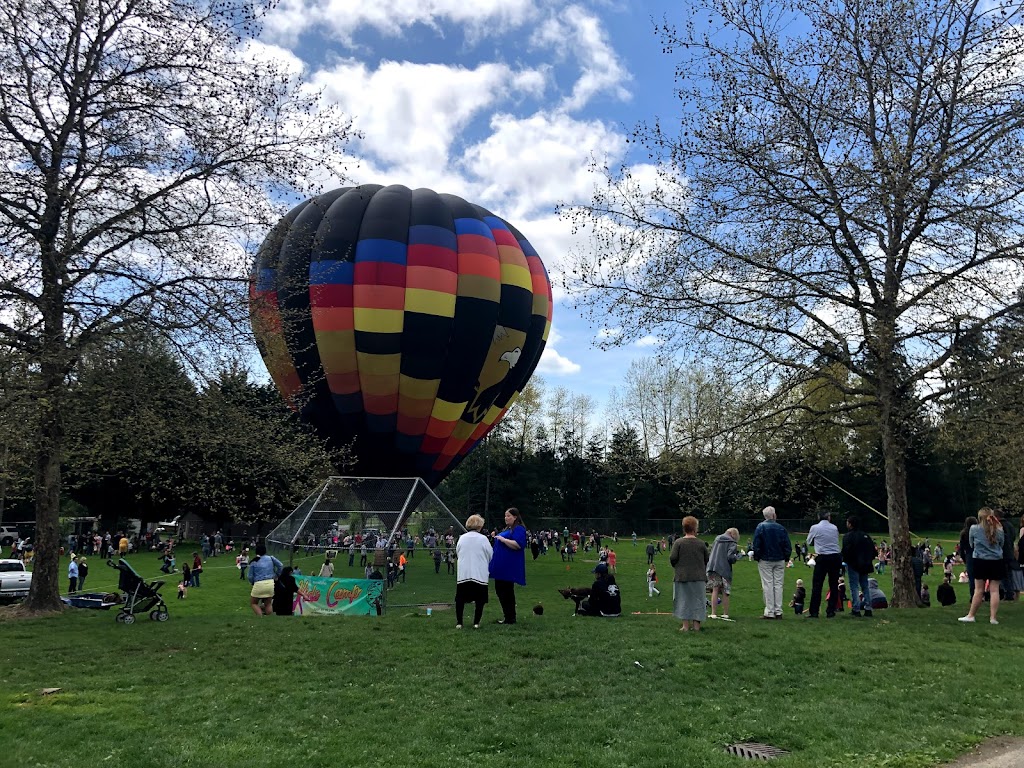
(376,507)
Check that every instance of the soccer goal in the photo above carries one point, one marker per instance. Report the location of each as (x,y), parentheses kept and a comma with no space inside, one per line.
(372,507)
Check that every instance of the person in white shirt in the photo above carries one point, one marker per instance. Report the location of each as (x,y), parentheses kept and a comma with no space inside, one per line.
(828,561)
(473,554)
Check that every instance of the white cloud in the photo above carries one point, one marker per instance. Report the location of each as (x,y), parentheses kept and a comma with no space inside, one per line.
(268,54)
(554,364)
(410,114)
(579,31)
(541,160)
(608,333)
(341,19)
(648,341)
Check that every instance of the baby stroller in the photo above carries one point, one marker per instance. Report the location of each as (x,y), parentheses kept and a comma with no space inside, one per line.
(139,596)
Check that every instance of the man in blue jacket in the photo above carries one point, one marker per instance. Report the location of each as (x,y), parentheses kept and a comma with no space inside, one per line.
(772,549)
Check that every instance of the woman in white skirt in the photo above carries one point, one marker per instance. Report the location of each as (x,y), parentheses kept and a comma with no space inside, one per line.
(473,555)
(689,558)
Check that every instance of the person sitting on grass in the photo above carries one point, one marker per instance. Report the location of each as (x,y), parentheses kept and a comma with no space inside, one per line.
(945,592)
(285,589)
(601,599)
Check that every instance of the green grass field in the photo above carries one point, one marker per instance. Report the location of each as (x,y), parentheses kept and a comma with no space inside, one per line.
(217,686)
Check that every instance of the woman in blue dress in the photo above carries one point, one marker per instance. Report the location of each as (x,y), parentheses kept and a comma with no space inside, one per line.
(508,565)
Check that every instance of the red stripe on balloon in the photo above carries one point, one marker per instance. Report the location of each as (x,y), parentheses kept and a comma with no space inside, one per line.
(379,273)
(379,296)
(343,383)
(380,405)
(433,256)
(330,295)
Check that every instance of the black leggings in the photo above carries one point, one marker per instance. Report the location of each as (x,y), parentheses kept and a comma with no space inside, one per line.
(478,611)
(506,592)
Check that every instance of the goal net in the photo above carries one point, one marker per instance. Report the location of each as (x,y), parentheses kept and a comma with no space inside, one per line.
(375,507)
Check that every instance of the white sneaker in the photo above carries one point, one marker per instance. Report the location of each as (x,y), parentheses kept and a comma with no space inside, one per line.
(966,619)
(992,621)
(458,626)
(725,615)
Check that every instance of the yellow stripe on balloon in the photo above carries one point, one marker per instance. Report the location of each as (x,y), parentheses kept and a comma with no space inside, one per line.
(418,389)
(445,411)
(379,365)
(513,274)
(337,353)
(430,302)
(479,287)
(378,320)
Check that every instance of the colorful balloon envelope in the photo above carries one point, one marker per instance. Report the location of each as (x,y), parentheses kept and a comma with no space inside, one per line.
(402,323)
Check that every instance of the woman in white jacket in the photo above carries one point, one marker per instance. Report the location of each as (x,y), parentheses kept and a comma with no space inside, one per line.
(473,553)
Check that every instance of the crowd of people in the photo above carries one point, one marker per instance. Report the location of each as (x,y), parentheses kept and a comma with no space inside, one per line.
(843,565)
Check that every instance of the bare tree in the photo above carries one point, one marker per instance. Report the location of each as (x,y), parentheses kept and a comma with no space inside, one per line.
(843,188)
(581,409)
(140,140)
(521,422)
(557,415)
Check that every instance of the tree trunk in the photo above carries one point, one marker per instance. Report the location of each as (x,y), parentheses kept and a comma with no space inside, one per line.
(904,595)
(45,592)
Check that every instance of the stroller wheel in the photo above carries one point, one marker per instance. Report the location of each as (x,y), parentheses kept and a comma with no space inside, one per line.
(129,619)
(120,618)
(159,614)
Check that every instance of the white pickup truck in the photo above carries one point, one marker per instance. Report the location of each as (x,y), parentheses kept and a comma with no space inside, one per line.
(14,580)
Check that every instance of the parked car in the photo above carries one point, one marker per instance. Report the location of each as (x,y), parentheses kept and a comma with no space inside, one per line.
(14,580)
(8,535)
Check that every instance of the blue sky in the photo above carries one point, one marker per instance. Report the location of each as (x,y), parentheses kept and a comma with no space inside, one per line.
(503,102)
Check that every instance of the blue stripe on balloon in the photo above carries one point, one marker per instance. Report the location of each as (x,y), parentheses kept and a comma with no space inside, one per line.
(351,403)
(408,443)
(265,279)
(381,250)
(495,223)
(528,249)
(471,227)
(429,234)
(331,272)
(424,463)
(377,423)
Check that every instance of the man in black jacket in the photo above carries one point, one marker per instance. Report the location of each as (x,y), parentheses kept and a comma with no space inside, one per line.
(859,553)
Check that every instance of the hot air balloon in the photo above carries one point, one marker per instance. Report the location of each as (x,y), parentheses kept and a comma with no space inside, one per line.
(403,323)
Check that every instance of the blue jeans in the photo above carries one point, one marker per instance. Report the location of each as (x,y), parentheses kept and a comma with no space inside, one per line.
(855,584)
(195,578)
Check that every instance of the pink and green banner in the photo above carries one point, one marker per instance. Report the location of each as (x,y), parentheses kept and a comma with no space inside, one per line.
(320,595)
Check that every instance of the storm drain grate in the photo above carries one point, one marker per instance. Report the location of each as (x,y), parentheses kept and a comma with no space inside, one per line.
(753,751)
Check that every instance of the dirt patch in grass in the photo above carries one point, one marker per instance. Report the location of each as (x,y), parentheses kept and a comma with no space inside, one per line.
(18,611)
(1000,752)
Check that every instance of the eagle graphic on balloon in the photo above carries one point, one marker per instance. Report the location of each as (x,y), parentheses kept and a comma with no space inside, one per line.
(401,323)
